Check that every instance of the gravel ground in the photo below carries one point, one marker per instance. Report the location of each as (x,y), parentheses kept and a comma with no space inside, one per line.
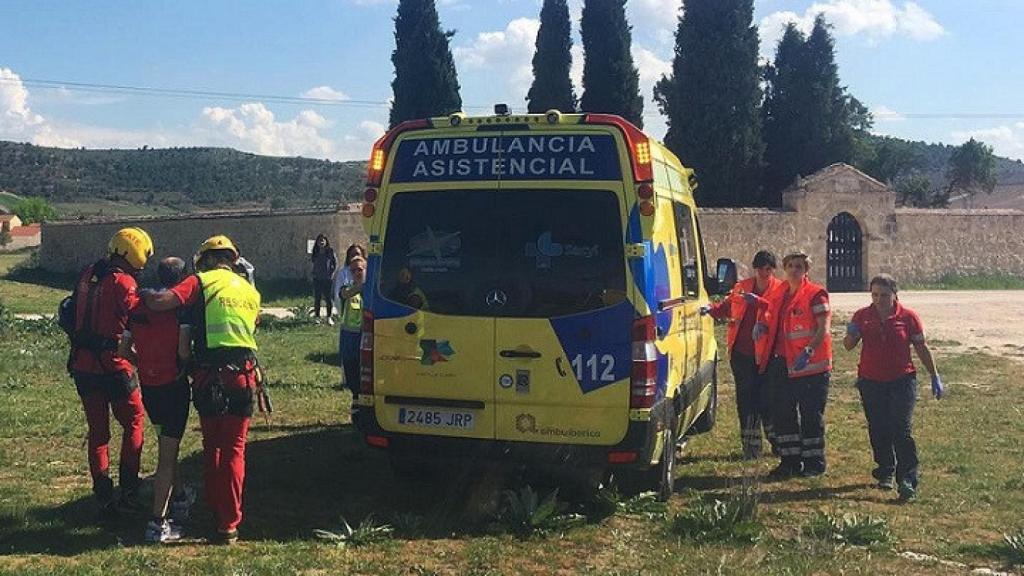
(991,321)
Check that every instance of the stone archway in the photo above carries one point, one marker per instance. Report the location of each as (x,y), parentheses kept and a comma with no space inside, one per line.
(845,254)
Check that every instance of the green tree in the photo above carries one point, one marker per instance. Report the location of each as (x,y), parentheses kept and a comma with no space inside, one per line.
(5,236)
(611,83)
(971,169)
(552,60)
(810,119)
(785,128)
(917,190)
(426,83)
(34,210)
(890,160)
(712,101)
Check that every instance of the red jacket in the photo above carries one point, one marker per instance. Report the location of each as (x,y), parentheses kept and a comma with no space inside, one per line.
(104,315)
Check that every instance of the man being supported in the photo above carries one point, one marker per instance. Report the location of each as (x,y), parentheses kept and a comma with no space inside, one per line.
(223,309)
(165,393)
(105,380)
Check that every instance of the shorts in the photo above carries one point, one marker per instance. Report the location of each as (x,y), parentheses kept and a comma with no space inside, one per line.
(167,407)
(115,387)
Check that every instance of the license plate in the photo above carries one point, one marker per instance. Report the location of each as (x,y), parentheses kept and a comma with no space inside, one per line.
(436,418)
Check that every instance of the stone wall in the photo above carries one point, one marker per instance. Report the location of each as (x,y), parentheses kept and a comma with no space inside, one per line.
(275,242)
(914,245)
(926,244)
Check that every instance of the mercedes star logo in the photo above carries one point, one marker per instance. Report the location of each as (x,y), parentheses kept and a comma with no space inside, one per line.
(496,298)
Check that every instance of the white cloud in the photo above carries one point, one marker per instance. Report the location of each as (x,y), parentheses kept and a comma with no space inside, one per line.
(1006,141)
(509,50)
(655,20)
(253,127)
(875,19)
(325,93)
(883,113)
(356,144)
(18,121)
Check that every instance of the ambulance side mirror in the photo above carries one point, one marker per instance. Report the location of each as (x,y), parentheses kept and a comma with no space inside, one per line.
(725,276)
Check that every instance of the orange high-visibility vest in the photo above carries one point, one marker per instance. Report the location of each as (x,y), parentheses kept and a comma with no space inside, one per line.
(798,324)
(738,306)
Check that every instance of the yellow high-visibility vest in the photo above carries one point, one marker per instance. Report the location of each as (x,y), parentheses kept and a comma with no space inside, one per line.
(232,305)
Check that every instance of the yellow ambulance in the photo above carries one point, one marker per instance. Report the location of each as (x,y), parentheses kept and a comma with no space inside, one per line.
(533,293)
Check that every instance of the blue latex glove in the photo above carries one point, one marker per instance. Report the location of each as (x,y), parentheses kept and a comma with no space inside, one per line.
(852,330)
(705,310)
(801,361)
(937,388)
(760,329)
(749,298)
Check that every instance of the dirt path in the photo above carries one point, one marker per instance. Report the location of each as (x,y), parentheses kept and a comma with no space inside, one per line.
(987,321)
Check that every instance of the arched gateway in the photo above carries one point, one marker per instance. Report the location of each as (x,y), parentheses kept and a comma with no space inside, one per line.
(845,265)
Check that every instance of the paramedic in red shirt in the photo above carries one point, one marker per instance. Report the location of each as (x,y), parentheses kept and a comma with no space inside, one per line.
(753,398)
(223,308)
(165,394)
(796,325)
(887,382)
(106,381)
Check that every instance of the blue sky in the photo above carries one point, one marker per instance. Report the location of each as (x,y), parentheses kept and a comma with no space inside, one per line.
(918,65)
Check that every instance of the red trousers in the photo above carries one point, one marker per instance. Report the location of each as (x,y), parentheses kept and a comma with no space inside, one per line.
(129,413)
(224,467)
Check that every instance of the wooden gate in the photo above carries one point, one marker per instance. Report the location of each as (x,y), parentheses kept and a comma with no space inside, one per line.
(845,254)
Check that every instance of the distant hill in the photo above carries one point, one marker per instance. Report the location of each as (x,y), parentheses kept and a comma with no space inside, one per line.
(180,179)
(933,158)
(83,183)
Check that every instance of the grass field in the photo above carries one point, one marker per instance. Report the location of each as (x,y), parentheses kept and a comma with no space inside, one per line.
(308,469)
(30,291)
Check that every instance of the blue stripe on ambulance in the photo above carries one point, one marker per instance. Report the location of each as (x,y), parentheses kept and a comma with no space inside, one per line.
(650,277)
(382,308)
(600,332)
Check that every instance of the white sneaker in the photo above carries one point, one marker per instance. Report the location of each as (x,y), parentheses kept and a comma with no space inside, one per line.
(160,532)
(330,321)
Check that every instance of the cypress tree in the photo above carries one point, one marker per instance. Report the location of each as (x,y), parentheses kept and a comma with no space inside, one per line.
(811,121)
(783,122)
(611,83)
(712,101)
(552,85)
(426,83)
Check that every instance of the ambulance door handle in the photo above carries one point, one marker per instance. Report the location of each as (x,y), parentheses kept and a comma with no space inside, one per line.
(518,354)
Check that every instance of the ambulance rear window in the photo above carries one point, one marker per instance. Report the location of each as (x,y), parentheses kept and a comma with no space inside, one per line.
(512,253)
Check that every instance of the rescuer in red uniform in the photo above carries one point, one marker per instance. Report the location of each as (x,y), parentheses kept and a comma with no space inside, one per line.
(106,381)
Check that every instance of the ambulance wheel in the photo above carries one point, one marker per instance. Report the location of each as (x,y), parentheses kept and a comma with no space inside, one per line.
(665,479)
(706,421)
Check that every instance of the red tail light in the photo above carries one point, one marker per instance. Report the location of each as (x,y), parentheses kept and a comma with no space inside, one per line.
(366,355)
(643,385)
(379,155)
(638,142)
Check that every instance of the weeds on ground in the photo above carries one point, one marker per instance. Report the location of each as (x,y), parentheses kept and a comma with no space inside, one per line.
(644,505)
(732,520)
(526,514)
(1011,549)
(849,529)
(408,524)
(367,532)
(6,319)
